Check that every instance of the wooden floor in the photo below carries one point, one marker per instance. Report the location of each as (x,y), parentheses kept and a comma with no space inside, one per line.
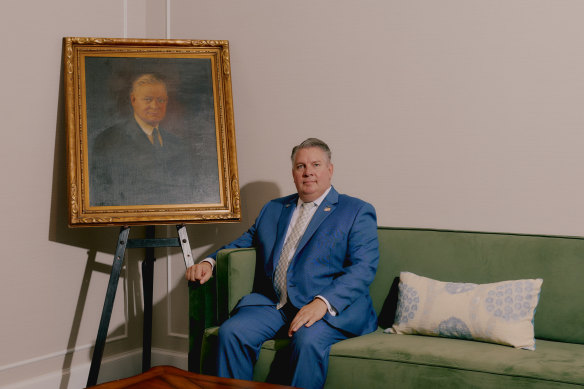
(168,377)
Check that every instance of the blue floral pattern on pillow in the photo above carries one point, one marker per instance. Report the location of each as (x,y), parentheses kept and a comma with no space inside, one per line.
(454,328)
(459,287)
(408,303)
(512,301)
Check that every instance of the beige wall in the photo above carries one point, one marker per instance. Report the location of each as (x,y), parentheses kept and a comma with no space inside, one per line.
(455,114)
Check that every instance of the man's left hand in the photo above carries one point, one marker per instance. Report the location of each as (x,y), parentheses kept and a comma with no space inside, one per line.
(308,315)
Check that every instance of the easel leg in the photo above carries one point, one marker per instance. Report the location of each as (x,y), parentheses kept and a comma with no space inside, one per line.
(108,306)
(147,282)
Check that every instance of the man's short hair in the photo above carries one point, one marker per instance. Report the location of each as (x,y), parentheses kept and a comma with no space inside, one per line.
(312,142)
(147,79)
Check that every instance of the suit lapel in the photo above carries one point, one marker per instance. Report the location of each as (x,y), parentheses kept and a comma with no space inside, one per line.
(138,136)
(283,223)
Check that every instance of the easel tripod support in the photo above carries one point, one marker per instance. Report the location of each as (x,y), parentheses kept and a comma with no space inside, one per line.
(150,243)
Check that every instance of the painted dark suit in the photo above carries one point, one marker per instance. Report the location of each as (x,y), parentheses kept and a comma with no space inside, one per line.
(127,169)
(336,258)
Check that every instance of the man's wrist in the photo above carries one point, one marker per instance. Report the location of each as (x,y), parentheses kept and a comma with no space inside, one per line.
(332,311)
(210,261)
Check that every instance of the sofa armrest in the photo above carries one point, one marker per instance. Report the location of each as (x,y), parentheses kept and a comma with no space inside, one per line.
(211,303)
(235,276)
(202,314)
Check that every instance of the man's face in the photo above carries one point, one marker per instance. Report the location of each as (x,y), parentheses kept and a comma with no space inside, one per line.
(149,102)
(312,173)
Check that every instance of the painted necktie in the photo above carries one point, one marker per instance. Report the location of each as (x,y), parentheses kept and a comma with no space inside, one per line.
(156,139)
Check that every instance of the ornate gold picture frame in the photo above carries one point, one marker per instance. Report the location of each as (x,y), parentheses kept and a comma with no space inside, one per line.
(150,132)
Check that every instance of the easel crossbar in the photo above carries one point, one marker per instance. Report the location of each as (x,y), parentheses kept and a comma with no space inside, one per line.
(153,243)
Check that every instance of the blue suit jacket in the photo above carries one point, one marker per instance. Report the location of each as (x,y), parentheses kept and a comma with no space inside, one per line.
(336,258)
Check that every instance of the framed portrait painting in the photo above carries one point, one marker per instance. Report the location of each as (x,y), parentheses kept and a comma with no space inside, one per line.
(150,132)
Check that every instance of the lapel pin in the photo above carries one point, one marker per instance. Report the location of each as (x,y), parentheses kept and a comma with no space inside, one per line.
(327,209)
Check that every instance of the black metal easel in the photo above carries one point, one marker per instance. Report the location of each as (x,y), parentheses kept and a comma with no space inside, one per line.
(150,243)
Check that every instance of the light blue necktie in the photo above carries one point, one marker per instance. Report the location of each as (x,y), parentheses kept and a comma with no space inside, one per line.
(287,252)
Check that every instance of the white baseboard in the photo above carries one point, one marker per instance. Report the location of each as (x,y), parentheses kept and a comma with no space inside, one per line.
(169,358)
(112,368)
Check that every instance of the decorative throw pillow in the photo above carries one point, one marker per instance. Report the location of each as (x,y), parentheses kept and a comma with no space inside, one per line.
(500,312)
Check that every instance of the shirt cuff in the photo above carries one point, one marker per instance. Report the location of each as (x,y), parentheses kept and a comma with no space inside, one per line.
(211,261)
(331,310)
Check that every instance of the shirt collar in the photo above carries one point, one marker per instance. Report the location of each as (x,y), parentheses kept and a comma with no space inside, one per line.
(147,128)
(318,200)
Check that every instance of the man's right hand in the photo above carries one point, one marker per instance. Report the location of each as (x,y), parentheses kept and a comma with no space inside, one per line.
(200,272)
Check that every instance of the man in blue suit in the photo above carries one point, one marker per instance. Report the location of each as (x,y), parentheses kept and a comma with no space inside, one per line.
(317,254)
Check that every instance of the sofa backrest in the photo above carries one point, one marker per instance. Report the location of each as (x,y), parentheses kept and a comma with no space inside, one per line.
(457,256)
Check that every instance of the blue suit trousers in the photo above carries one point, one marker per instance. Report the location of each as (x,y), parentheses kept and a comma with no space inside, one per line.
(242,335)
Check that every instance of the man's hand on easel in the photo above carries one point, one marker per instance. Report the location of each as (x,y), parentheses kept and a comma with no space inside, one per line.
(200,272)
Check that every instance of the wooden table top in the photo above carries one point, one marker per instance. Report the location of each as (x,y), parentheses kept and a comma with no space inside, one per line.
(168,377)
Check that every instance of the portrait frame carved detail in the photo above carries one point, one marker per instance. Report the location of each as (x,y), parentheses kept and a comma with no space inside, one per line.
(150,132)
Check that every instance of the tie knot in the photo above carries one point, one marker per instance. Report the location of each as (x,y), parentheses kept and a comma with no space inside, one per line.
(308,204)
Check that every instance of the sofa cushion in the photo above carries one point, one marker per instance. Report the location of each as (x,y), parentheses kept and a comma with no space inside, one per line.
(500,312)
(552,361)
(373,359)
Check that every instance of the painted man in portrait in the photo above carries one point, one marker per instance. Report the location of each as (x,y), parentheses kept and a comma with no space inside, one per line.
(138,162)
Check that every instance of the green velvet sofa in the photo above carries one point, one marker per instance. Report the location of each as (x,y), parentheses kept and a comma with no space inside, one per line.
(381,360)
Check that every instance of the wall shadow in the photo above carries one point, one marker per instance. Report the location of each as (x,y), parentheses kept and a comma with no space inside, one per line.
(130,276)
(101,239)
(253,197)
